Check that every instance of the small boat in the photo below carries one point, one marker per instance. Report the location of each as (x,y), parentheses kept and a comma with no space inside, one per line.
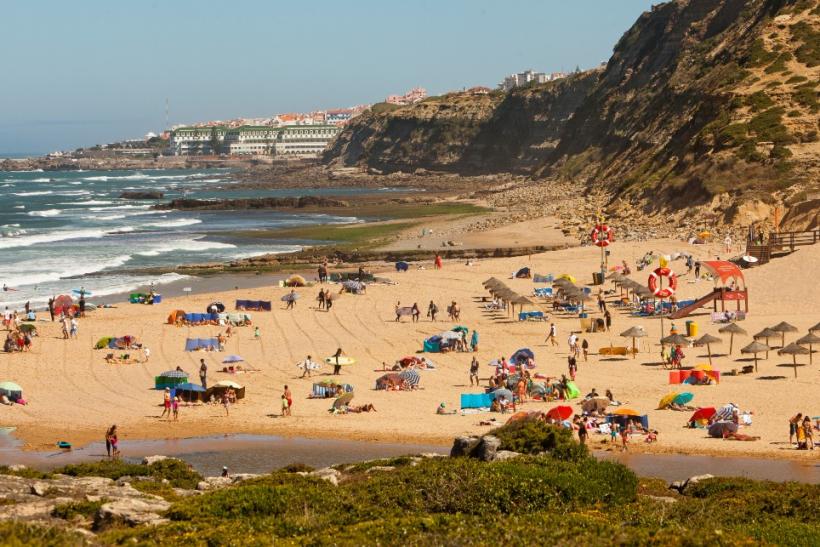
(65,445)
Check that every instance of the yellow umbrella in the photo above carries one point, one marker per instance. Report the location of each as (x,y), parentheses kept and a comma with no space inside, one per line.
(567,277)
(666,400)
(704,367)
(626,412)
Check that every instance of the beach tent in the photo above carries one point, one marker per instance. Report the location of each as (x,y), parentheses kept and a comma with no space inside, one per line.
(476,400)
(194,344)
(189,392)
(170,378)
(432,344)
(502,392)
(219,306)
(63,304)
(232,359)
(103,342)
(595,406)
(388,380)
(572,390)
(11,390)
(523,273)
(223,385)
(295,280)
(623,420)
(402,266)
(176,316)
(254,305)
(522,355)
(329,388)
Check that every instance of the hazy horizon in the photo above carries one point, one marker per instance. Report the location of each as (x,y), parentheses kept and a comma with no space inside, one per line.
(95,72)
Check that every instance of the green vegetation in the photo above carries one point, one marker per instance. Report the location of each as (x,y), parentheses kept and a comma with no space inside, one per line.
(26,473)
(809,51)
(177,472)
(758,55)
(70,510)
(18,534)
(759,101)
(779,64)
(806,95)
(796,79)
(156,488)
(535,437)
(767,126)
(383,108)
(339,233)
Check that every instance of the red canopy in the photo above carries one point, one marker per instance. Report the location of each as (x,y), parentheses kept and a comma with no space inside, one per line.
(703,414)
(725,271)
(561,412)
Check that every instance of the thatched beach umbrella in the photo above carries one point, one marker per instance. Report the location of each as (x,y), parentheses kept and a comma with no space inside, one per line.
(634,332)
(707,340)
(809,340)
(783,328)
(675,340)
(766,334)
(815,328)
(491,281)
(794,350)
(755,347)
(732,329)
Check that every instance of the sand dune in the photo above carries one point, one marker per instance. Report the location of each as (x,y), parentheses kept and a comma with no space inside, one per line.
(74,395)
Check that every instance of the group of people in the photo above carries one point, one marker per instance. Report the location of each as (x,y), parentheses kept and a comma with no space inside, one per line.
(325,299)
(801,429)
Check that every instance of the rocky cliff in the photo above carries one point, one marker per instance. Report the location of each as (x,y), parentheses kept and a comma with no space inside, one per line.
(705,102)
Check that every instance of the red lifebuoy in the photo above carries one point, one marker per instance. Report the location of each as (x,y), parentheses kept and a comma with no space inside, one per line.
(601,235)
(655,285)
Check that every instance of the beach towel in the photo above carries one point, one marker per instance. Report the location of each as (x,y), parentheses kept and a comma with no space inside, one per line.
(476,400)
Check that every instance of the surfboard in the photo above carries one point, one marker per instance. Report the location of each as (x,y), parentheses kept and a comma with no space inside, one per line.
(343,361)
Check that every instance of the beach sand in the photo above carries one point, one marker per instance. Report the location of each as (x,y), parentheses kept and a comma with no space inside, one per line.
(74,395)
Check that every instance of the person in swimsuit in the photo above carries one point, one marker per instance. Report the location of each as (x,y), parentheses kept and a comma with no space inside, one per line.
(166,403)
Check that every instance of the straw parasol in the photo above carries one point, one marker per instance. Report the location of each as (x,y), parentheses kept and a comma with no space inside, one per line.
(675,340)
(707,340)
(809,340)
(815,328)
(732,329)
(755,347)
(634,332)
(491,281)
(783,328)
(765,333)
(794,350)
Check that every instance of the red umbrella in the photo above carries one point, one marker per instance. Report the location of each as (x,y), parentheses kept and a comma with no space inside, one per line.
(703,414)
(560,412)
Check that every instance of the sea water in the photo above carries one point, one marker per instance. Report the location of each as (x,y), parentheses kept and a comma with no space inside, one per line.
(61,230)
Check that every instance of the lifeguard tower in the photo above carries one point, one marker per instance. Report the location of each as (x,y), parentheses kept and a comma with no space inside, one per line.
(730,286)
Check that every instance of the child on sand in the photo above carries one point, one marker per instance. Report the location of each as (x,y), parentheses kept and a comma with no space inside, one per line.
(624,438)
(285,408)
(175,407)
(257,334)
(613,433)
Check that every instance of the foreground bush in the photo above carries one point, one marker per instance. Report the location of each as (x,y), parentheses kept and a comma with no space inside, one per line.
(18,534)
(535,437)
(177,472)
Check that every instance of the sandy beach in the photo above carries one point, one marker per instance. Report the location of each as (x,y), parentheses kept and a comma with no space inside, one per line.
(74,395)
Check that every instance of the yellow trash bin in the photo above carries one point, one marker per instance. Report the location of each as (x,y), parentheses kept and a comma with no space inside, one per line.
(691,329)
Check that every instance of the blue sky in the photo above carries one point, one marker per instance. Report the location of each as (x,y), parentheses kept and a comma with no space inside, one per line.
(92,71)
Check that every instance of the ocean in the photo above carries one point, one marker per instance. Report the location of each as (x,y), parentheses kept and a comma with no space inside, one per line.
(68,229)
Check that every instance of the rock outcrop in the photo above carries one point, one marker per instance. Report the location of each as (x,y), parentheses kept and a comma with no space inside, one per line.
(258,203)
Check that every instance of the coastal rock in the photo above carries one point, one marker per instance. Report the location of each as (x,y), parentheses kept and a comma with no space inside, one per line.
(463,446)
(39,489)
(380,468)
(487,449)
(132,512)
(143,194)
(504,455)
(214,483)
(326,473)
(691,481)
(150,460)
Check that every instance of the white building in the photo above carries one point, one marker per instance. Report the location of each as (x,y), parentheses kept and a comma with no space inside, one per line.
(294,140)
(196,141)
(306,140)
(522,78)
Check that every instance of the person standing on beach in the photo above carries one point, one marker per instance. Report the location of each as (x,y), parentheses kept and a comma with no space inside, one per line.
(552,336)
(175,407)
(110,432)
(291,300)
(437,262)
(82,305)
(51,308)
(474,341)
(697,270)
(337,367)
(328,300)
(582,429)
(474,371)
(288,396)
(166,404)
(572,366)
(321,299)
(203,373)
(585,349)
(307,366)
(74,327)
(794,423)
(147,353)
(607,320)
(226,402)
(432,310)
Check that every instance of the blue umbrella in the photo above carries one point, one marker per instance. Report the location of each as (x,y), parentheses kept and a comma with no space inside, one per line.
(232,359)
(684,398)
(190,387)
(522,355)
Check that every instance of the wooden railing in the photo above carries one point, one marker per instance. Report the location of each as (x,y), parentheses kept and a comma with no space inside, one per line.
(780,242)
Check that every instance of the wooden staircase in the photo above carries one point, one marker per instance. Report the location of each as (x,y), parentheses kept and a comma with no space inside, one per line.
(780,243)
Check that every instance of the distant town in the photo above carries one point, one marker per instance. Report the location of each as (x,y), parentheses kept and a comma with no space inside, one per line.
(287,135)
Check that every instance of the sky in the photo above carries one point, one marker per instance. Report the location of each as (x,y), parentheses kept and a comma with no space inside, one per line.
(85,72)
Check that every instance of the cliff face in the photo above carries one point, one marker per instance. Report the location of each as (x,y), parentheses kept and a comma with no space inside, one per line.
(462,132)
(701,98)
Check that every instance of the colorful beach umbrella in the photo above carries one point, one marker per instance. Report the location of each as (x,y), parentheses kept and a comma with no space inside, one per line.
(560,413)
(626,412)
(703,414)
(232,359)
(343,400)
(684,398)
(667,400)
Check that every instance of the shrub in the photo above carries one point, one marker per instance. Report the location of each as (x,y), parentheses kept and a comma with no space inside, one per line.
(535,436)
(809,51)
(177,472)
(779,64)
(796,79)
(68,511)
(26,473)
(297,468)
(767,126)
(807,96)
(759,101)
(17,533)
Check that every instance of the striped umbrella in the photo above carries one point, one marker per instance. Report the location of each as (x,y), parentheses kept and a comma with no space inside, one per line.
(410,376)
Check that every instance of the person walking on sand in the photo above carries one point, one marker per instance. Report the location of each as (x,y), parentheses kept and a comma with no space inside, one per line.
(474,371)
(552,336)
(147,352)
(582,429)
(321,299)
(808,433)
(166,403)
(432,310)
(288,397)
(794,423)
(697,270)
(74,327)
(175,407)
(728,244)
(257,334)
(203,374)
(607,320)
(226,402)
(51,308)
(572,366)
(624,438)
(307,366)
(291,300)
(113,438)
(109,433)
(474,341)
(337,367)
(437,262)
(585,349)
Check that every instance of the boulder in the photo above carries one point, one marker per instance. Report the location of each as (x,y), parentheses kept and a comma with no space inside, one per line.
(328,474)
(691,481)
(380,468)
(487,448)
(463,446)
(132,512)
(39,489)
(214,483)
(149,460)
(504,455)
